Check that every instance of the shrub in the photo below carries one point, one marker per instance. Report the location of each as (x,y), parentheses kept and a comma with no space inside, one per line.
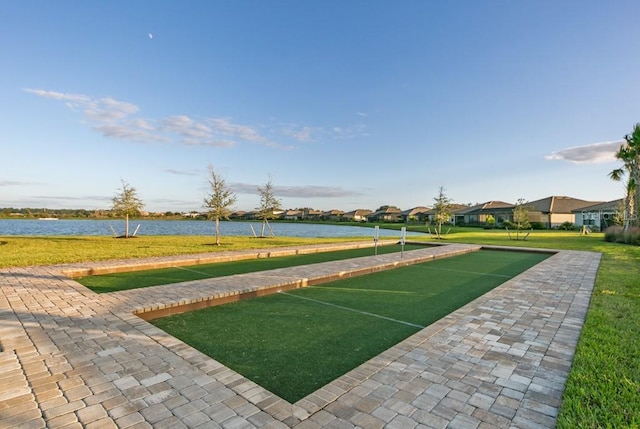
(613,233)
(617,234)
(566,226)
(632,236)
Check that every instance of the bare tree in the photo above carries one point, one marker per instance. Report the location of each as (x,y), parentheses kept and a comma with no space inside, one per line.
(218,200)
(442,210)
(269,204)
(127,203)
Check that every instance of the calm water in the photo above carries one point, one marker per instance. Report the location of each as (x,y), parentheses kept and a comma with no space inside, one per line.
(180,227)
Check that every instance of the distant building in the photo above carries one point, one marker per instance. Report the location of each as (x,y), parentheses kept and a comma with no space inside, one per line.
(389,214)
(597,217)
(555,210)
(478,214)
(358,215)
(416,214)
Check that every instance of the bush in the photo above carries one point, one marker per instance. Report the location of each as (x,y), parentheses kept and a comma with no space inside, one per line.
(538,225)
(567,226)
(617,234)
(612,234)
(632,236)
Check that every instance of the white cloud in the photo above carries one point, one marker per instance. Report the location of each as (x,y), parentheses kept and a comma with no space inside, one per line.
(588,154)
(183,172)
(129,133)
(108,109)
(76,98)
(14,183)
(209,143)
(305,191)
(186,127)
(313,191)
(105,109)
(117,119)
(244,132)
(301,134)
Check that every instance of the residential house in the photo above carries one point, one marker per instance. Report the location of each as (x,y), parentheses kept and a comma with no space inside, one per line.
(311,214)
(597,217)
(292,215)
(478,214)
(453,208)
(332,215)
(358,215)
(388,214)
(240,214)
(416,214)
(555,210)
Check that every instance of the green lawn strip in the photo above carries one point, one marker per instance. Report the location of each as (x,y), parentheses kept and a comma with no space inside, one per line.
(138,279)
(293,343)
(18,251)
(603,388)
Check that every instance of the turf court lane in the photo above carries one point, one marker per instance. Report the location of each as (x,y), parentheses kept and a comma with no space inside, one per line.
(354,310)
(72,357)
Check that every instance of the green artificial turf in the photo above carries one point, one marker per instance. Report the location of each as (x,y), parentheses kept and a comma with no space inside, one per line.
(295,342)
(136,279)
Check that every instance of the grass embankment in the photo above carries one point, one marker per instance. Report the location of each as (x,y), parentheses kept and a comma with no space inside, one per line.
(296,342)
(603,389)
(138,279)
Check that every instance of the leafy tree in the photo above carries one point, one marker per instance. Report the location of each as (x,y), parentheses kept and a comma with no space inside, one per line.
(127,203)
(629,154)
(269,203)
(385,207)
(490,222)
(521,216)
(442,211)
(219,200)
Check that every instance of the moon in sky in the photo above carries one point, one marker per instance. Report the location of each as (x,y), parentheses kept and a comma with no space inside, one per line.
(150,36)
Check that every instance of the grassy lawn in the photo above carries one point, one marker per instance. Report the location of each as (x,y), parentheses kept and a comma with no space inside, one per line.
(18,251)
(295,342)
(603,389)
(137,279)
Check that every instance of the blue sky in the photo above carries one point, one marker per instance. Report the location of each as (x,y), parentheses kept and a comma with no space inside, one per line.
(344,104)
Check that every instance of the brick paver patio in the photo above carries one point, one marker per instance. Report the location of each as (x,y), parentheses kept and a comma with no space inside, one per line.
(73,358)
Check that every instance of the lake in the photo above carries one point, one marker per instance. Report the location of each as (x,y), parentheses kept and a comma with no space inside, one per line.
(81,227)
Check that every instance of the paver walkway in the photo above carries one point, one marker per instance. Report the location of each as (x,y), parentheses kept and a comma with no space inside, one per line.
(73,358)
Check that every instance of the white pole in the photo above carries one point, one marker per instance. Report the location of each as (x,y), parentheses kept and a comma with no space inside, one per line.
(403,237)
(376,232)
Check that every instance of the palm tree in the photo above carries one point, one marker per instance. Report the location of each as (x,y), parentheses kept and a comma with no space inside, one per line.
(629,154)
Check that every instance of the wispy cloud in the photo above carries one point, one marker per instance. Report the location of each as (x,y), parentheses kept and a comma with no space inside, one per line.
(314,191)
(588,154)
(299,133)
(68,198)
(117,119)
(130,132)
(15,183)
(192,172)
(306,191)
